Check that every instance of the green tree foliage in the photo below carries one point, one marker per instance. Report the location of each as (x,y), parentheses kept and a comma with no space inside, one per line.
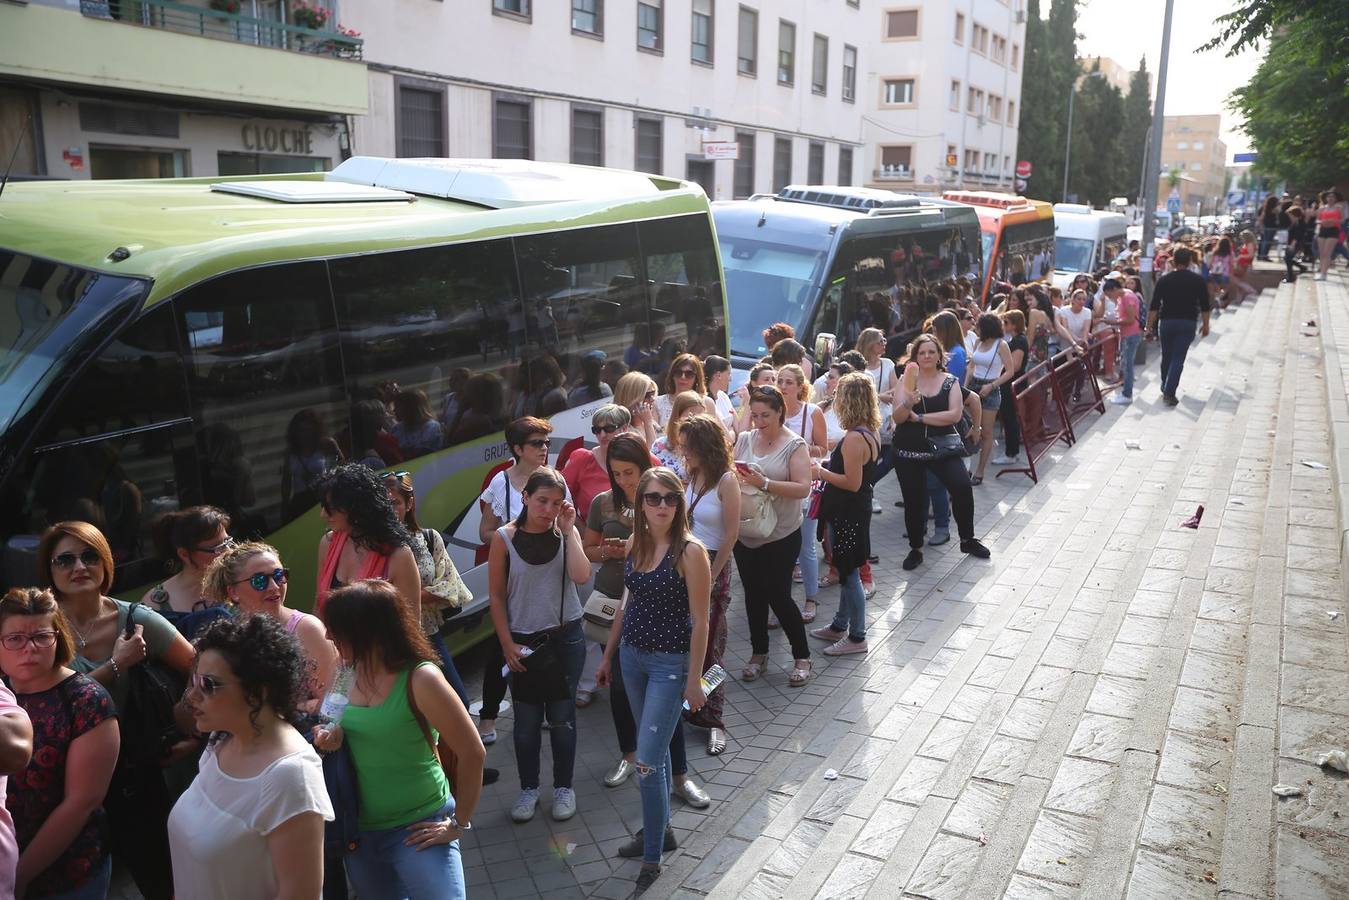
(1134,136)
(1297,104)
(1098,170)
(1050,69)
(1297,110)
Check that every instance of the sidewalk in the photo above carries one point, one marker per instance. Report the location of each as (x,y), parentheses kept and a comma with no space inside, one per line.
(1100,710)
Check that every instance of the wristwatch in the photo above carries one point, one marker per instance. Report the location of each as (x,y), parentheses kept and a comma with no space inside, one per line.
(461,826)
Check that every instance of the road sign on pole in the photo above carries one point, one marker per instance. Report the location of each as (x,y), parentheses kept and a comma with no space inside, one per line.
(1023,169)
(1173,202)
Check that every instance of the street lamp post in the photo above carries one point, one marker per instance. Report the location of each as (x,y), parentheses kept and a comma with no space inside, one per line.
(1068,141)
(1154,163)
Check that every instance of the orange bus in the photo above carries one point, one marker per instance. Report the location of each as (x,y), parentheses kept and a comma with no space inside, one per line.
(1017,236)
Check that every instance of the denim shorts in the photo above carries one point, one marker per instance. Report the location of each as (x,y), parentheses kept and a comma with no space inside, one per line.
(993,401)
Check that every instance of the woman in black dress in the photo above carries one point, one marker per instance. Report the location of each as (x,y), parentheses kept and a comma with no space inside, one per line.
(845,508)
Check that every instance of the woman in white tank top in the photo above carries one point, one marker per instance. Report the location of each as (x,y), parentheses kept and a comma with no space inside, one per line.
(713,499)
(990,366)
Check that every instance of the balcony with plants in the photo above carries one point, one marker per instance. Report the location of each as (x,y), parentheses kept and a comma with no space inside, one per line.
(301,26)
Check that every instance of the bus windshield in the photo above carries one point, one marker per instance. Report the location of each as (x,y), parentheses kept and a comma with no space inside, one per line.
(769,283)
(49,313)
(1073,254)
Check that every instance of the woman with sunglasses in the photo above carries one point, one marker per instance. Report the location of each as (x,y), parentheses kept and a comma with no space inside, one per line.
(80,574)
(533,568)
(713,498)
(57,801)
(528,440)
(191,539)
(685,374)
(772,459)
(365,538)
(250,578)
(409,737)
(586,473)
(608,528)
(657,635)
(636,393)
(251,823)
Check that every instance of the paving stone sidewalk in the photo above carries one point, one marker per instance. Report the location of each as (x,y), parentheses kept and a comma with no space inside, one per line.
(1099,711)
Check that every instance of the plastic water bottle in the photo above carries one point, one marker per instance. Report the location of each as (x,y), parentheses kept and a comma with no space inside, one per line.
(710,681)
(524,651)
(338,696)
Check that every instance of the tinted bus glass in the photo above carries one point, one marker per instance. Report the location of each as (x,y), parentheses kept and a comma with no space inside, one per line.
(685,287)
(116,451)
(1027,251)
(265,381)
(768,283)
(441,324)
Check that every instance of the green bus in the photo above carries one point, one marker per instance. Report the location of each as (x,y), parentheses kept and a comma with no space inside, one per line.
(175,342)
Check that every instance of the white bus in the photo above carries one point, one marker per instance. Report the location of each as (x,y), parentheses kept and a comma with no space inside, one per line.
(1085,238)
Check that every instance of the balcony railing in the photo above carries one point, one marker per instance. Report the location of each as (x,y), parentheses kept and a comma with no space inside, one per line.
(219,23)
(892,173)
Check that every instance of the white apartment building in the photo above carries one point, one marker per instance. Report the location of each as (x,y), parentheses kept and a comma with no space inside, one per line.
(942,91)
(638,84)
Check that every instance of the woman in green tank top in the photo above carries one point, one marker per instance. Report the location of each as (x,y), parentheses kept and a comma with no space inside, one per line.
(400,704)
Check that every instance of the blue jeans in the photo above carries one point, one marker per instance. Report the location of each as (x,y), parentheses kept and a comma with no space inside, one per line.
(809,557)
(561,715)
(96,888)
(383,867)
(1128,351)
(655,685)
(1266,239)
(626,727)
(941,503)
(1175,335)
(852,606)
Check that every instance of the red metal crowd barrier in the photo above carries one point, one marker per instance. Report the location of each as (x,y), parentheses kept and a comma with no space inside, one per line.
(1076,385)
(1040,411)
(1103,354)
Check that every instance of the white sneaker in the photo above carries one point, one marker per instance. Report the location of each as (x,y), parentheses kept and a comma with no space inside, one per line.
(564,804)
(1121,400)
(526,803)
(1004,460)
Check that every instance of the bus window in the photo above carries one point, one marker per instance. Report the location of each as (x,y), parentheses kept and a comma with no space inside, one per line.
(890,279)
(685,283)
(1027,252)
(116,452)
(436,330)
(582,292)
(770,283)
(265,382)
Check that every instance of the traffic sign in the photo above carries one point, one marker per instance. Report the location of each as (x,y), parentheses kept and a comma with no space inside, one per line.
(1023,169)
(1173,204)
(1244,157)
(1235,199)
(951,160)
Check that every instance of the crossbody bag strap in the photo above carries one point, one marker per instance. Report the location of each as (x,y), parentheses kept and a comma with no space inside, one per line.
(421,719)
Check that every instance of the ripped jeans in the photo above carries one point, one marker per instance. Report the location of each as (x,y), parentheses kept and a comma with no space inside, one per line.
(655,687)
(561,715)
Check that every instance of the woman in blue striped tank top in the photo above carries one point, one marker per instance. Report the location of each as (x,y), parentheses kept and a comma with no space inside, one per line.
(662,626)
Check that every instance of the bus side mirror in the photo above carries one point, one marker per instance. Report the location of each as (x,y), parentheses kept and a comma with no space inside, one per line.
(824,349)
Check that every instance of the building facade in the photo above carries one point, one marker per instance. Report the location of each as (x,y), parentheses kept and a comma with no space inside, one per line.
(152,88)
(1194,164)
(638,84)
(943,91)
(1119,76)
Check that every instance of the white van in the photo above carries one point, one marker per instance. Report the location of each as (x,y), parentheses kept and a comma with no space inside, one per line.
(1085,238)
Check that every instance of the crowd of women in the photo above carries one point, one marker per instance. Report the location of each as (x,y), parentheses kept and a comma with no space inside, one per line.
(222,743)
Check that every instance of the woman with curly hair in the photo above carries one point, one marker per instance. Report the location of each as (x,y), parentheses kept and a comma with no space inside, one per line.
(249,577)
(365,538)
(57,800)
(251,823)
(409,735)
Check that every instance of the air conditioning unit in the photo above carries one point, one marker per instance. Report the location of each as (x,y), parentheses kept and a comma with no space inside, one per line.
(1021,17)
(982,120)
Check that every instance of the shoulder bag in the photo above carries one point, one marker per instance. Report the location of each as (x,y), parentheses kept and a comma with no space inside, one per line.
(758,516)
(439,749)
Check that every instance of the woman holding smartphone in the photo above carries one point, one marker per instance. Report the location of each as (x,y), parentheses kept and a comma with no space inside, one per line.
(608,528)
(533,567)
(663,628)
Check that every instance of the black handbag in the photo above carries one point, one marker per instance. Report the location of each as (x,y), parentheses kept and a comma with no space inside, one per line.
(545,677)
(149,728)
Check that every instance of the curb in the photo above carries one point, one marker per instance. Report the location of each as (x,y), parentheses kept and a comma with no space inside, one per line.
(1337,394)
